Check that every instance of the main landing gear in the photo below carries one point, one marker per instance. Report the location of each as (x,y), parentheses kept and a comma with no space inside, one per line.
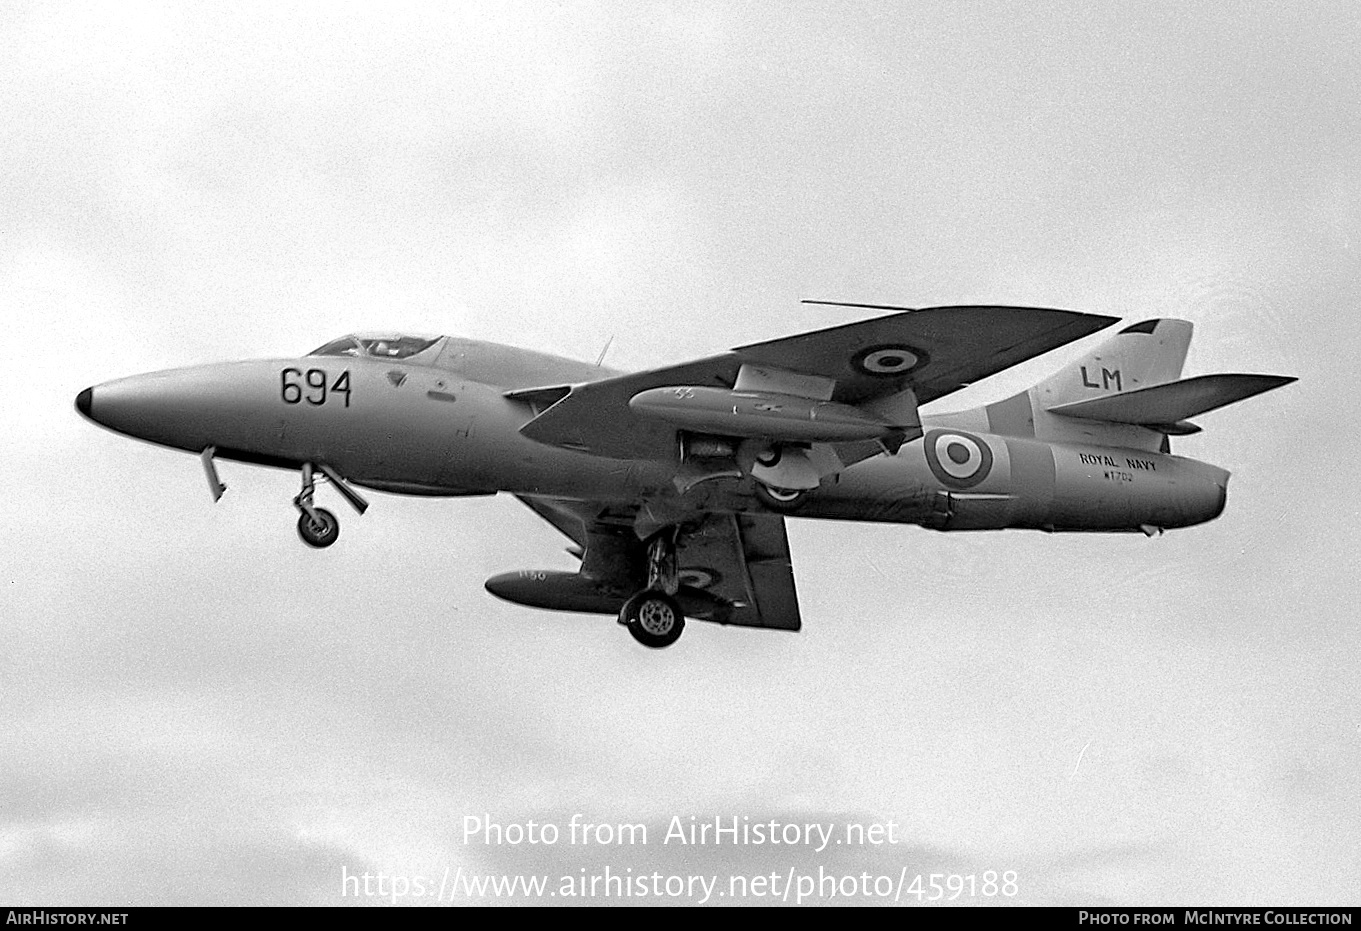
(784,475)
(317,526)
(653,615)
(784,500)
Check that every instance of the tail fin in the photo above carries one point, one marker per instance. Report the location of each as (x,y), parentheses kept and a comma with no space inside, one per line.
(1148,353)
(1125,392)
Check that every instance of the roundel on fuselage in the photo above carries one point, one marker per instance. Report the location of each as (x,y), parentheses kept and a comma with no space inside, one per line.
(888,361)
(959,460)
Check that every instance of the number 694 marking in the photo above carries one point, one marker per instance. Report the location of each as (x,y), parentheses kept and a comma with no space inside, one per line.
(297,386)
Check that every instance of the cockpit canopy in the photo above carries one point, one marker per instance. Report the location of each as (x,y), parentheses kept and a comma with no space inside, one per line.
(474,360)
(394,346)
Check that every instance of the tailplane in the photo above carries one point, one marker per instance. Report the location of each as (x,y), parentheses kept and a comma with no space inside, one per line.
(1165,408)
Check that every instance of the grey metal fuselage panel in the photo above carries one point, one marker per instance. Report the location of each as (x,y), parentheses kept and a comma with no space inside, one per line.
(962,478)
(420,425)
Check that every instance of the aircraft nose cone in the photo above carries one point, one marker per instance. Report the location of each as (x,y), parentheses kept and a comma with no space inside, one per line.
(83,401)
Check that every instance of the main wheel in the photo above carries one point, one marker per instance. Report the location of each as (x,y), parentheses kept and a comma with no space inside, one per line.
(653,618)
(321,532)
(784,500)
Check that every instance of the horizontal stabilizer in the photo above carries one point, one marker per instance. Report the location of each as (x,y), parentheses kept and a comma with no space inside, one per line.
(1173,402)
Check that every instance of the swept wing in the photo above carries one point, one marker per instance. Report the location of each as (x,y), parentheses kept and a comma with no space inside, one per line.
(930,352)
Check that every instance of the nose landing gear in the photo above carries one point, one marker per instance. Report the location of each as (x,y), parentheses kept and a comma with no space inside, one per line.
(317,526)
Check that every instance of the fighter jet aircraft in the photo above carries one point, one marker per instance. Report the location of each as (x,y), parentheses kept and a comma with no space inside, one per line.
(673,484)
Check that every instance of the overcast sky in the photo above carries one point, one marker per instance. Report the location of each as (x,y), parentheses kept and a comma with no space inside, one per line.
(196,708)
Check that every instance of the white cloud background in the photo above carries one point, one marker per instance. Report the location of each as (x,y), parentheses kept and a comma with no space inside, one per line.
(197,709)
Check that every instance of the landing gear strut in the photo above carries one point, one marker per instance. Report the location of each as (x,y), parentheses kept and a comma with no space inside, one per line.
(317,526)
(653,616)
(663,571)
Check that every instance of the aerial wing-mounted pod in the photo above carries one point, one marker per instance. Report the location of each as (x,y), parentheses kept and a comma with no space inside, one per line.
(777,426)
(729,412)
(786,423)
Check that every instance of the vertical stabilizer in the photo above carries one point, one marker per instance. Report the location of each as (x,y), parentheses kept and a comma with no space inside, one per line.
(1139,356)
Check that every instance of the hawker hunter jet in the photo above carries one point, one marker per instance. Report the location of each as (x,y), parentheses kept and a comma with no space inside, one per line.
(673,484)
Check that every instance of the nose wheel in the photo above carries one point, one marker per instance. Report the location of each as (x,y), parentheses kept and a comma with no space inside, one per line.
(317,526)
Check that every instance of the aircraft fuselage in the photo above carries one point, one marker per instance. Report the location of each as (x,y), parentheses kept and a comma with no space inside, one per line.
(433,430)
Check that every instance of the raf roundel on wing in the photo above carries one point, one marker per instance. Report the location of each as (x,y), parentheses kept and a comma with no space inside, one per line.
(889,360)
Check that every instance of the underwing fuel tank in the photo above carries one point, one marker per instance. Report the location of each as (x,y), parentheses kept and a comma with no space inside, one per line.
(728,412)
(572,591)
(556,591)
